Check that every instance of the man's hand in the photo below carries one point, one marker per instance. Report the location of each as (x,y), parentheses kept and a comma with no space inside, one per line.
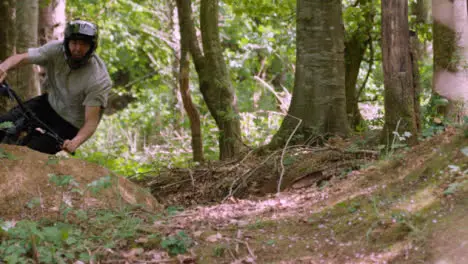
(92,118)
(70,146)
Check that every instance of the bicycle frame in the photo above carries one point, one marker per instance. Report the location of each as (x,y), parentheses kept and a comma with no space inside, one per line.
(31,119)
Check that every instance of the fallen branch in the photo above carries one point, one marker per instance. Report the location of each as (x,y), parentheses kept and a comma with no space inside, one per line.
(284,151)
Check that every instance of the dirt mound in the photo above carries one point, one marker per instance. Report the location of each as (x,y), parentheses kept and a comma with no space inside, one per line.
(33,184)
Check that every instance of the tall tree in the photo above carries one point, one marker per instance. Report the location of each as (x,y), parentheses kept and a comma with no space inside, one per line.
(319,90)
(398,76)
(213,76)
(7,38)
(27,17)
(449,29)
(358,39)
(52,19)
(184,81)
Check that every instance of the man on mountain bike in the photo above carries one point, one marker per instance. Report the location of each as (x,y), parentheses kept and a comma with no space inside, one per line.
(77,88)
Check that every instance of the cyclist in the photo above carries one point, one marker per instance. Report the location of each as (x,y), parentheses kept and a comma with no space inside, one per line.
(77,86)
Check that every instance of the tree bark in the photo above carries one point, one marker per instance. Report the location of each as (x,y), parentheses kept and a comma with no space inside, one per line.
(7,40)
(354,54)
(184,83)
(415,47)
(319,90)
(52,20)
(220,96)
(174,30)
(356,45)
(398,74)
(213,76)
(450,34)
(27,17)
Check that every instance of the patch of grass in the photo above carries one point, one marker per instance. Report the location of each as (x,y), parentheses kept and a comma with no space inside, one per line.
(177,244)
(260,224)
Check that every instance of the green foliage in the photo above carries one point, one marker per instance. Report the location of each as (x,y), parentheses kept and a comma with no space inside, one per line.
(173,210)
(219,250)
(100,184)
(177,244)
(57,243)
(430,113)
(6,125)
(61,180)
(6,155)
(45,241)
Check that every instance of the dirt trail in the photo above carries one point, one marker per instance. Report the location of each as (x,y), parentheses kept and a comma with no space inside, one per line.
(405,209)
(408,208)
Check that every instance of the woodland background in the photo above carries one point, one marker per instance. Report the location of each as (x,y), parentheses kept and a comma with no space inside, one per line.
(204,80)
(266,131)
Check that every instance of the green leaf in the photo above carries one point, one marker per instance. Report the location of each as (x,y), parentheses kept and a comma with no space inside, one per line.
(33,203)
(100,184)
(61,180)
(288,161)
(6,155)
(465,151)
(6,125)
(53,160)
(451,189)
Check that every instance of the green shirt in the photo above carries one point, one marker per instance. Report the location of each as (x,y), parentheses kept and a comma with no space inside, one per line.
(71,90)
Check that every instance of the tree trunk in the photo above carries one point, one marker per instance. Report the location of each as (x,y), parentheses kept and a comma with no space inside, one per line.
(417,52)
(449,29)
(319,91)
(27,17)
(184,82)
(173,29)
(415,47)
(52,20)
(354,53)
(213,76)
(398,74)
(7,40)
(356,45)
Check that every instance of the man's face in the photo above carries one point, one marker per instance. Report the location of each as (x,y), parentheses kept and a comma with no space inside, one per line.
(78,48)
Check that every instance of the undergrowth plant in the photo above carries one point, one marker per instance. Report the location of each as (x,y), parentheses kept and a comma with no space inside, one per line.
(81,234)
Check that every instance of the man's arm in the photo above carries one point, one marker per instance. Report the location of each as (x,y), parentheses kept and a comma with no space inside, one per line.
(92,118)
(12,62)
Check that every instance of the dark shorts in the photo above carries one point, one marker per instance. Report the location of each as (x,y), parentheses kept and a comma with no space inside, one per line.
(41,108)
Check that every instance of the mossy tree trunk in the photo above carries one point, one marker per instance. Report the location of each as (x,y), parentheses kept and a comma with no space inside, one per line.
(354,54)
(450,18)
(214,81)
(184,81)
(319,90)
(357,42)
(7,40)
(398,75)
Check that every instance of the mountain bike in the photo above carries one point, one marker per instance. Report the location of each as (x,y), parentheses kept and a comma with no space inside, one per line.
(20,131)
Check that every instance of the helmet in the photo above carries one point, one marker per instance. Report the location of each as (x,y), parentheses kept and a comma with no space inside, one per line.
(80,30)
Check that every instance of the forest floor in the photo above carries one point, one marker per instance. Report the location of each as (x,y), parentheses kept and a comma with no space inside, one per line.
(339,203)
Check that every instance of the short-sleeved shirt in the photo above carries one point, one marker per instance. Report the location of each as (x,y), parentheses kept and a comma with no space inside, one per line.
(71,90)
